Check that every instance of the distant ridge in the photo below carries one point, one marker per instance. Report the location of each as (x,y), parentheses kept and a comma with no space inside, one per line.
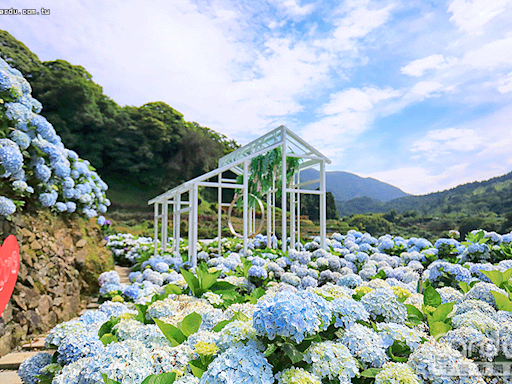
(493,195)
(346,186)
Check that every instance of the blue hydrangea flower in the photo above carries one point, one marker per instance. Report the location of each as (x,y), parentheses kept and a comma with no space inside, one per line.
(32,366)
(242,364)
(132,291)
(383,303)
(10,157)
(350,280)
(471,343)
(20,138)
(7,206)
(366,344)
(78,345)
(482,291)
(332,360)
(71,206)
(61,207)
(347,311)
(258,272)
(293,315)
(439,363)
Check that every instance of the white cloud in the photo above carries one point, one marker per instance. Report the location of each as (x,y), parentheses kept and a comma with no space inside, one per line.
(472,15)
(345,117)
(491,55)
(425,89)
(296,9)
(357,100)
(357,20)
(439,142)
(419,67)
(421,180)
(505,85)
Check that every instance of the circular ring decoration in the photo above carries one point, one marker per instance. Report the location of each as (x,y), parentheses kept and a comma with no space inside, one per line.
(262,220)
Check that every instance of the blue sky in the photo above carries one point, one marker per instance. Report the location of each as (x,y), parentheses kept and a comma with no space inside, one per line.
(415,93)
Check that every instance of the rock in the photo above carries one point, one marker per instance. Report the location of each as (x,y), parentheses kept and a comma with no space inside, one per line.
(32,299)
(22,274)
(45,303)
(35,245)
(26,233)
(34,321)
(58,301)
(81,243)
(81,257)
(18,300)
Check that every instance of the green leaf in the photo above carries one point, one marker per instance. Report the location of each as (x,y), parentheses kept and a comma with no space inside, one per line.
(220,326)
(105,328)
(431,297)
(106,380)
(414,314)
(507,275)
(371,372)
(380,275)
(196,368)
(141,313)
(464,286)
(442,311)
(170,289)
(220,286)
(206,279)
(108,338)
(502,302)
(173,334)
(190,324)
(438,329)
(495,276)
(162,378)
(293,353)
(192,281)
(271,348)
(399,352)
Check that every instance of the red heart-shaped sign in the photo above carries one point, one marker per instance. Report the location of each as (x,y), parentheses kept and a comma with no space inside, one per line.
(9,267)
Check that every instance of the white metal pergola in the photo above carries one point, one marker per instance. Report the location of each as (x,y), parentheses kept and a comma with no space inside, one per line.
(184,198)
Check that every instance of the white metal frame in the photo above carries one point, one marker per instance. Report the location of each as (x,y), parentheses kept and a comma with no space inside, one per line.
(238,162)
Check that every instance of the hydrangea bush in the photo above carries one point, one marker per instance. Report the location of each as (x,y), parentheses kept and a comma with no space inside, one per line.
(35,167)
(363,310)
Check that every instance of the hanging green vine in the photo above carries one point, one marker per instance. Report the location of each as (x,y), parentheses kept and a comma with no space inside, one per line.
(263,168)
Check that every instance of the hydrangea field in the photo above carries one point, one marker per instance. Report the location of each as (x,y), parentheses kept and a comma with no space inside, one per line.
(386,310)
(35,166)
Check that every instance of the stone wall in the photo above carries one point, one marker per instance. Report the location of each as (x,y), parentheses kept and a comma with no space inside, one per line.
(61,259)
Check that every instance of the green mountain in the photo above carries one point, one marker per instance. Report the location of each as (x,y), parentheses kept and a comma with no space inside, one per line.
(346,186)
(490,196)
(138,151)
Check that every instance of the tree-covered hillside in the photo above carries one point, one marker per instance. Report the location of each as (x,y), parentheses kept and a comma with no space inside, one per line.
(139,151)
(494,195)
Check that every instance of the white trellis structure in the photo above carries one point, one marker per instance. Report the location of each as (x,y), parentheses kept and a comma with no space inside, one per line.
(184,198)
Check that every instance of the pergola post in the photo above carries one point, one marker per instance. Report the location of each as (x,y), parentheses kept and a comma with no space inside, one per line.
(298,208)
(219,215)
(176,223)
(246,202)
(194,209)
(323,205)
(165,225)
(190,223)
(283,193)
(155,224)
